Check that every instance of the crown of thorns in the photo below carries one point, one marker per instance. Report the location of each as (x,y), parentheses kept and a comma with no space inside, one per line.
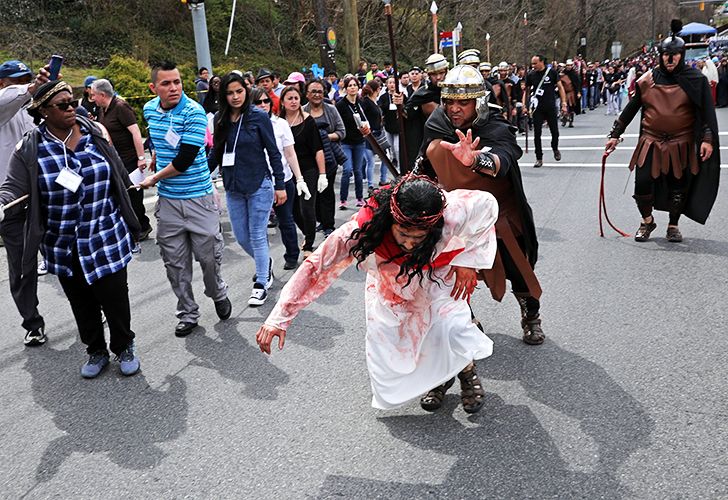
(422,220)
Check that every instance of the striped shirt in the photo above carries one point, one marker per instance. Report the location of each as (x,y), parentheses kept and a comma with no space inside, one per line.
(188,121)
(88,221)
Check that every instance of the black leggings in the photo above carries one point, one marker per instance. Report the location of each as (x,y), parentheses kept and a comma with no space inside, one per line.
(644,191)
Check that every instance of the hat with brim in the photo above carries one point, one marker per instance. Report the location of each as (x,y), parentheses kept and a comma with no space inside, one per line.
(294,78)
(262,74)
(14,69)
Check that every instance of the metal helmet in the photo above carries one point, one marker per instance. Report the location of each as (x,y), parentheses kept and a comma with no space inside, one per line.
(435,63)
(484,66)
(470,56)
(673,45)
(464,82)
(503,66)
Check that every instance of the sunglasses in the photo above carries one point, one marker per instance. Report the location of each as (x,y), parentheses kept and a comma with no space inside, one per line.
(63,106)
(258,102)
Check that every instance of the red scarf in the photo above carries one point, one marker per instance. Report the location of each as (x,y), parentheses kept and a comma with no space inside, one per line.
(389,250)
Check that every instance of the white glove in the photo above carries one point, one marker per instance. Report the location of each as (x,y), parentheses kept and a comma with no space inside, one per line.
(2,212)
(323,182)
(302,189)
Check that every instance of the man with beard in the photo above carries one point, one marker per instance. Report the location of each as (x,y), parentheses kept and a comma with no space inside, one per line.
(677,157)
(572,88)
(469,145)
(419,107)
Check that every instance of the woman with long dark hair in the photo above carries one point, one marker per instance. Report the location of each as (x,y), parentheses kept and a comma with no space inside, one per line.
(243,136)
(351,109)
(284,212)
(421,248)
(310,154)
(369,94)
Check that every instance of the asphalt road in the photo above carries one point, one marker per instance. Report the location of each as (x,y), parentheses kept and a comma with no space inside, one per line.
(626,399)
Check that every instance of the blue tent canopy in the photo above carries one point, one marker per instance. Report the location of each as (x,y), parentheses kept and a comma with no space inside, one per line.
(697,29)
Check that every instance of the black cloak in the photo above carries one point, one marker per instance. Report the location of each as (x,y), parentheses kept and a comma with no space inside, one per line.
(500,136)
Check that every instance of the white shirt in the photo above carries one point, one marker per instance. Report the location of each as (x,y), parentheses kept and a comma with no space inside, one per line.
(284,138)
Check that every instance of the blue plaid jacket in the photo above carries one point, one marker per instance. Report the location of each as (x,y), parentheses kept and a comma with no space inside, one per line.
(87,221)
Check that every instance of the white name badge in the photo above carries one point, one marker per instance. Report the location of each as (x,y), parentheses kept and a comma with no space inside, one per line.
(392,106)
(69,179)
(172,138)
(228,159)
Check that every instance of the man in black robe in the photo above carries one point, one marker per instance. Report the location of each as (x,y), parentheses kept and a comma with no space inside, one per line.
(677,157)
(469,145)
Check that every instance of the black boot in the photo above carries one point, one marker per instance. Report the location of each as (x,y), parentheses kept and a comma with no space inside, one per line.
(530,319)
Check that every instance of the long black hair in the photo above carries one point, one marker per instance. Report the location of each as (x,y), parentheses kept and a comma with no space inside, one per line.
(222,118)
(416,198)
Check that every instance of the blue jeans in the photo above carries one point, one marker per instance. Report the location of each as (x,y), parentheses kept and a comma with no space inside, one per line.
(289,235)
(369,160)
(584,98)
(354,164)
(249,219)
(594,96)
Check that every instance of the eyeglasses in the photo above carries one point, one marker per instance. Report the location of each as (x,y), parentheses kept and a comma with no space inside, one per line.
(314,92)
(258,102)
(63,106)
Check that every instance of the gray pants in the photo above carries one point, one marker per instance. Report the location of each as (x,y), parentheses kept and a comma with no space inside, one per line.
(24,289)
(186,228)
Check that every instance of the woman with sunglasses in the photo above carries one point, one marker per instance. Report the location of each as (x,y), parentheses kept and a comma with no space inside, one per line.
(80,216)
(310,154)
(328,117)
(242,138)
(351,109)
(284,212)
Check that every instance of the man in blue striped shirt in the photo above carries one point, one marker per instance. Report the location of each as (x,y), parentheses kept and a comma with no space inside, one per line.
(188,218)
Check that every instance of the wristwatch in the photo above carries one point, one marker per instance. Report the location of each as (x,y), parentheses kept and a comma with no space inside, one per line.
(484,164)
(142,157)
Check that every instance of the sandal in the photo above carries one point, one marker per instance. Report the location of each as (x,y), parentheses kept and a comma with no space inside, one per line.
(532,332)
(471,390)
(645,230)
(433,400)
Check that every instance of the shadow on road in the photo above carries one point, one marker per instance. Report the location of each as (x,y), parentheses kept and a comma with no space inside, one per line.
(505,451)
(122,418)
(238,359)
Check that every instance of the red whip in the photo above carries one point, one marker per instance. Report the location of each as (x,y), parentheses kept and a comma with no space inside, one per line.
(603,203)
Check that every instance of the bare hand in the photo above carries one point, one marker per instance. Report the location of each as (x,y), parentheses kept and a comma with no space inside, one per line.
(279,197)
(466,280)
(265,335)
(153,163)
(41,78)
(365,130)
(466,150)
(398,99)
(706,151)
(148,182)
(142,164)
(611,145)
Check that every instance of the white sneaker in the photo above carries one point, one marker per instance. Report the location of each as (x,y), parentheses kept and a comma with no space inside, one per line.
(258,295)
(42,268)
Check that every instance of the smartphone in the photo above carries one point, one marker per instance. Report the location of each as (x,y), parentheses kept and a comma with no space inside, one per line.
(55,67)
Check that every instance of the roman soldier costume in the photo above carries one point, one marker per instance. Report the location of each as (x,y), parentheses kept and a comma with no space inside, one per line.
(572,86)
(678,115)
(515,228)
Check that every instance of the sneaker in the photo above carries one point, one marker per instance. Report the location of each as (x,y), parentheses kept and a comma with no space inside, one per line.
(272,219)
(35,337)
(327,232)
(319,227)
(42,268)
(538,164)
(342,205)
(95,364)
(136,249)
(258,295)
(223,308)
(128,361)
(359,203)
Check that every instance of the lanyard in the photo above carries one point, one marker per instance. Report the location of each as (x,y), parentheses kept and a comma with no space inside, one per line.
(62,143)
(237,134)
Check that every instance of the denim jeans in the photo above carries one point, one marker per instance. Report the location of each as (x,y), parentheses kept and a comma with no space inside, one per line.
(249,219)
(584,98)
(594,96)
(369,160)
(354,164)
(289,235)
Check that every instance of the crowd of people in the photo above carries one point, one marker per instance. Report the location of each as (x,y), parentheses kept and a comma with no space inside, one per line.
(446,209)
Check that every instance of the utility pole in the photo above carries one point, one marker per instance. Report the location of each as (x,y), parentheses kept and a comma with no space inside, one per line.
(326,37)
(199,24)
(351,33)
(653,23)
